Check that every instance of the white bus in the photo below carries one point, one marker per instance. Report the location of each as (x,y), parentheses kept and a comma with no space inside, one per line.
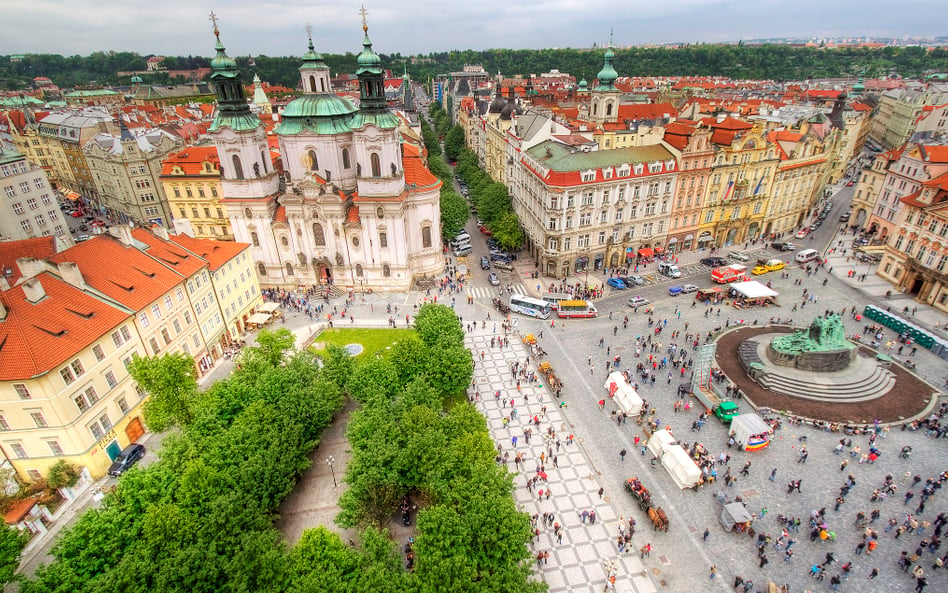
(529,306)
(554,299)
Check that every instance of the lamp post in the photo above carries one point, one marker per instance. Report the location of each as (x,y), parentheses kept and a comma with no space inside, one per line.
(331,460)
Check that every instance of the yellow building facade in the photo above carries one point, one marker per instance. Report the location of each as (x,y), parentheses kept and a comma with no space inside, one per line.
(191,180)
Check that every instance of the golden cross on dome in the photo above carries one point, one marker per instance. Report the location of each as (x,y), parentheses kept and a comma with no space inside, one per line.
(364,13)
(213,19)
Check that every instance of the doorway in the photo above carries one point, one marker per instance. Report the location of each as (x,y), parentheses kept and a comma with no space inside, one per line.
(112,450)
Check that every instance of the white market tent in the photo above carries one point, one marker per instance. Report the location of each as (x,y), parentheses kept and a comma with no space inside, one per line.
(268,307)
(624,394)
(753,289)
(681,467)
(658,441)
(259,318)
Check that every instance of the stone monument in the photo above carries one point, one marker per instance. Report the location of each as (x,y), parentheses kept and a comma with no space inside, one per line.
(822,347)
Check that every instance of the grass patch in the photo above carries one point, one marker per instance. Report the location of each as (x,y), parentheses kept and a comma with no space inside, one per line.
(372,340)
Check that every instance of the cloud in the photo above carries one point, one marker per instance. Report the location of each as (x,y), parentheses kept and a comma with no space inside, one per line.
(179,27)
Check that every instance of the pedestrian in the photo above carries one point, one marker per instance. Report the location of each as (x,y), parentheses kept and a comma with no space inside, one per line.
(714,571)
(873,573)
(773,475)
(601,490)
(622,454)
(744,471)
(763,560)
(706,535)
(645,550)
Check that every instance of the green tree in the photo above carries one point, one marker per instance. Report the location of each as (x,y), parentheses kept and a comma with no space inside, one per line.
(438,325)
(62,474)
(507,231)
(450,369)
(454,143)
(12,542)
(271,349)
(493,201)
(454,212)
(171,383)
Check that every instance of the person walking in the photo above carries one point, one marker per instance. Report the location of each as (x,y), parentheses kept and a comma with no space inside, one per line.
(706,535)
(622,454)
(744,471)
(601,490)
(873,573)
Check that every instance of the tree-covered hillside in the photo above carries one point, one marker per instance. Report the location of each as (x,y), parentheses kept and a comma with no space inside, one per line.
(777,62)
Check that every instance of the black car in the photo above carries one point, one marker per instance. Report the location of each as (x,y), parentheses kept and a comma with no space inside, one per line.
(126,459)
(485,263)
(496,256)
(783,246)
(714,262)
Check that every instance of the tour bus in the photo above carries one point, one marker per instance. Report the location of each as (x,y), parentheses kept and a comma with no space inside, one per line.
(554,299)
(577,309)
(529,306)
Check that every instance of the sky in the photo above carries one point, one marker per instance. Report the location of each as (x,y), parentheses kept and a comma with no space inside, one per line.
(264,27)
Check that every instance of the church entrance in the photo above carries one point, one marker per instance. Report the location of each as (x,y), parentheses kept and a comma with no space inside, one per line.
(325,271)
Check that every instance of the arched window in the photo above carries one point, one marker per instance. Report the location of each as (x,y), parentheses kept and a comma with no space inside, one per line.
(359,270)
(289,269)
(386,271)
(313,163)
(248,213)
(312,84)
(608,109)
(376,165)
(394,170)
(256,169)
(426,236)
(263,159)
(322,85)
(383,240)
(345,158)
(261,269)
(238,168)
(319,238)
(595,108)
(254,239)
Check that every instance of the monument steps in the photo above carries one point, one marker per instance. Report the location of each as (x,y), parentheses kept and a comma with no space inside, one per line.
(874,385)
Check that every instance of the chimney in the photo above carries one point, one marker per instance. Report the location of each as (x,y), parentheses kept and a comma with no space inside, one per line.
(33,291)
(70,274)
(122,233)
(29,266)
(160,231)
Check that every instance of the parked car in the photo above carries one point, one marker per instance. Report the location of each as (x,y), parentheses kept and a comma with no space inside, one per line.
(689,288)
(126,459)
(713,262)
(849,183)
(497,256)
(844,217)
(779,246)
(485,263)
(674,290)
(638,301)
(616,283)
(633,280)
(493,279)
(802,233)
(82,238)
(739,256)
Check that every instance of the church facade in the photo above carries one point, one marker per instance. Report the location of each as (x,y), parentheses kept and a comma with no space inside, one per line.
(355,206)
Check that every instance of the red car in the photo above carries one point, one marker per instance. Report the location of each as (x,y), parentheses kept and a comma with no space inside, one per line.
(485,231)
(849,183)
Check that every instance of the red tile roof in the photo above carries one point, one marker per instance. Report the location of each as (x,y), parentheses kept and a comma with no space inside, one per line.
(934,153)
(912,199)
(41,248)
(217,253)
(170,254)
(279,215)
(191,161)
(803,164)
(415,170)
(646,111)
(35,338)
(120,272)
(19,510)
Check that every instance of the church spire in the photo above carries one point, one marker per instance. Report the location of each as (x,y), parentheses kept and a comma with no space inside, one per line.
(370,73)
(232,108)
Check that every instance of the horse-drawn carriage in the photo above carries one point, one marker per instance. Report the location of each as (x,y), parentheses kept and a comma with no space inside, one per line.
(644,499)
(551,379)
(501,306)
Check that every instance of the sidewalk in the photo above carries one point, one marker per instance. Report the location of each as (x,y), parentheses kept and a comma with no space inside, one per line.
(579,563)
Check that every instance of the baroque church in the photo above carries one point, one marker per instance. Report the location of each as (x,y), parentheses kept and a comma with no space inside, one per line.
(355,205)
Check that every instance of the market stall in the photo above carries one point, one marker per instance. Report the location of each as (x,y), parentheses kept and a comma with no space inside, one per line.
(658,441)
(625,396)
(751,294)
(750,432)
(268,307)
(258,319)
(681,467)
(734,517)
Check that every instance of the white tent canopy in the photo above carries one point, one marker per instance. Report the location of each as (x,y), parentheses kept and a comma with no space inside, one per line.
(681,467)
(658,441)
(259,318)
(624,394)
(753,289)
(268,307)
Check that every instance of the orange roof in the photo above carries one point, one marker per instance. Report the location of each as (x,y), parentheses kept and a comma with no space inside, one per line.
(216,253)
(934,153)
(35,338)
(912,199)
(352,214)
(940,182)
(416,173)
(19,509)
(279,215)
(860,107)
(191,160)
(120,272)
(10,251)
(804,164)
(168,253)
(646,110)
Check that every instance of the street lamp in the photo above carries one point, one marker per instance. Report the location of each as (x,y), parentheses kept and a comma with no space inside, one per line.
(331,460)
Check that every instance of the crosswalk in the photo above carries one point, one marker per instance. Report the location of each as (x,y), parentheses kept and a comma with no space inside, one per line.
(489,292)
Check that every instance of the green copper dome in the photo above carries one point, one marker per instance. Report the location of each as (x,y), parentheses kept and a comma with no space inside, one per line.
(368,60)
(313,60)
(222,64)
(608,75)
(318,105)
(583,85)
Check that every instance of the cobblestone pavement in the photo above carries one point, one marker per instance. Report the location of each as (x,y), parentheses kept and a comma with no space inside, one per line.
(571,345)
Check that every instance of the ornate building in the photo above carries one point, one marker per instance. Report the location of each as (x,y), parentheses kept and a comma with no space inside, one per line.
(355,206)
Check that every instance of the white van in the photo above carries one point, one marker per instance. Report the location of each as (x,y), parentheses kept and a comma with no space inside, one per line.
(807,255)
(462,237)
(460,243)
(463,250)
(670,270)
